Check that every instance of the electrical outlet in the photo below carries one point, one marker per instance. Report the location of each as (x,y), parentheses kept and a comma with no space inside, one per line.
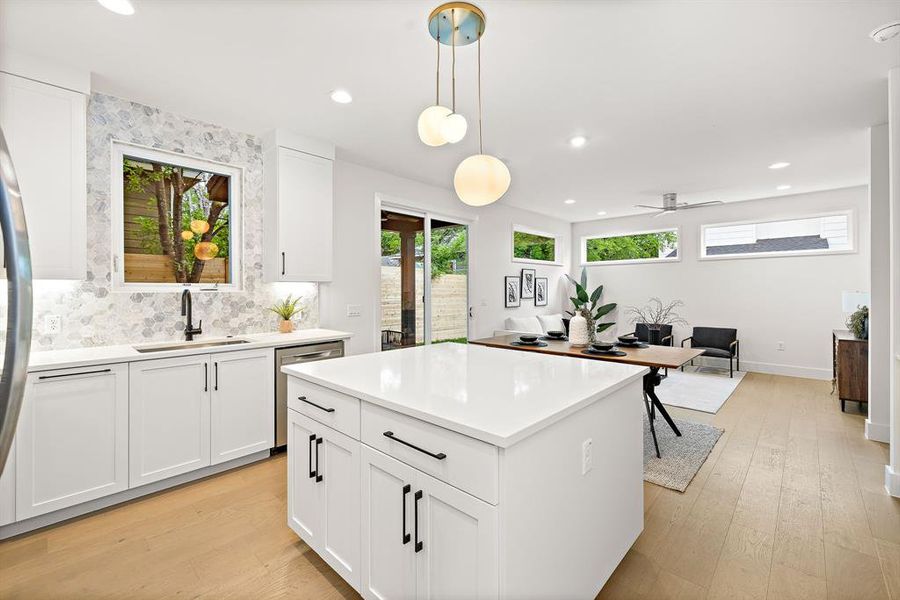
(52,324)
(780,347)
(354,310)
(587,456)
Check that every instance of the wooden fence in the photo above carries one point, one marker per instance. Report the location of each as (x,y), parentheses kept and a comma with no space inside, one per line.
(153,268)
(449,304)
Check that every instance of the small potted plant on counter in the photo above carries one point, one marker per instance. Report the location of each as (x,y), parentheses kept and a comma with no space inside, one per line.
(286,309)
(858,323)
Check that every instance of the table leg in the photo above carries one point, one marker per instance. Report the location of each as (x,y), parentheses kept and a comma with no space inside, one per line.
(651,380)
(651,417)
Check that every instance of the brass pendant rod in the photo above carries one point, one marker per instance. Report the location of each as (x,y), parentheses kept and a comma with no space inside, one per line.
(480,141)
(453,47)
(437,74)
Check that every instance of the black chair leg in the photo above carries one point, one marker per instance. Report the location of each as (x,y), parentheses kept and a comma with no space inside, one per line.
(730,367)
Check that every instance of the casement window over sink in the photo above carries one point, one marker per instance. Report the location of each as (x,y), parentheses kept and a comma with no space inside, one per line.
(175,221)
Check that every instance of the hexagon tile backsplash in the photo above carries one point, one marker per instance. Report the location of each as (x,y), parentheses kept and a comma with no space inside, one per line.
(94,315)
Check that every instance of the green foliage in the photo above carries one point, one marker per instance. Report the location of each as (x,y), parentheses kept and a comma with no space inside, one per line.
(535,247)
(858,323)
(586,304)
(459,340)
(449,246)
(390,242)
(287,308)
(630,247)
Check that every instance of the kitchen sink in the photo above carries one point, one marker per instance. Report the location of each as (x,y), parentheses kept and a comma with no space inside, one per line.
(189,345)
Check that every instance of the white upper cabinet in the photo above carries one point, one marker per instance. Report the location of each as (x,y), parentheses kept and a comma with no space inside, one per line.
(299,211)
(44,126)
(72,438)
(243,404)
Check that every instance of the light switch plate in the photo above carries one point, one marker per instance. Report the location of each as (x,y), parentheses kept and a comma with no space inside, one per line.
(52,324)
(354,310)
(587,456)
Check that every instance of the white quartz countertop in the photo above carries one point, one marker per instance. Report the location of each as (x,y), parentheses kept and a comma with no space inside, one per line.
(98,355)
(491,394)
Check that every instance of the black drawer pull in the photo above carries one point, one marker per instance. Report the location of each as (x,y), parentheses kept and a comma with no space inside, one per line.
(416,499)
(406,490)
(319,476)
(438,456)
(303,398)
(312,440)
(74,374)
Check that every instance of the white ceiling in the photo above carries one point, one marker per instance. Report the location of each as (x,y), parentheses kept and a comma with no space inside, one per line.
(693,97)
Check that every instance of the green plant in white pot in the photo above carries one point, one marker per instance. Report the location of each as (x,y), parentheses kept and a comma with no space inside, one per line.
(286,309)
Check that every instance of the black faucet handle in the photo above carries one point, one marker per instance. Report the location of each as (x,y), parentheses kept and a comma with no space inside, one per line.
(200,326)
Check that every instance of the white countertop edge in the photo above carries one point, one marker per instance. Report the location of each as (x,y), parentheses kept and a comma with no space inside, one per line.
(102,355)
(478,434)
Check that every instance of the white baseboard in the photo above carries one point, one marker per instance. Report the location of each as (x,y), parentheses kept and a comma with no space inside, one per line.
(892,481)
(770,368)
(878,432)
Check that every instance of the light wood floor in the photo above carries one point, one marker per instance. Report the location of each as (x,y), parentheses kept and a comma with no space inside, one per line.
(790,504)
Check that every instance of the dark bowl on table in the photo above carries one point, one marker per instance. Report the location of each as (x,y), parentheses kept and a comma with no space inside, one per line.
(556,334)
(602,346)
(628,339)
(528,339)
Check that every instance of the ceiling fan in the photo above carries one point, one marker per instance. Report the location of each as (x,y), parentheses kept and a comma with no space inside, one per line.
(671,204)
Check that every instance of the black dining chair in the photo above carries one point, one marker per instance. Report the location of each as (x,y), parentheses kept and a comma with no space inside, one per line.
(718,342)
(642,332)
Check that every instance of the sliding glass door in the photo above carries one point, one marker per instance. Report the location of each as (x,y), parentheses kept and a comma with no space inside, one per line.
(424,279)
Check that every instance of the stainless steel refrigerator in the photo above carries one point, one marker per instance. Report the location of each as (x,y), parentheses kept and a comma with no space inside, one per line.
(17,334)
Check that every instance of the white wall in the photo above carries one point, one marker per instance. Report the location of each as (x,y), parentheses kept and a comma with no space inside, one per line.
(795,300)
(880,361)
(892,471)
(356,267)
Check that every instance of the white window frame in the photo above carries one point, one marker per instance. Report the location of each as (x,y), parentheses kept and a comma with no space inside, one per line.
(557,245)
(119,150)
(628,261)
(851,236)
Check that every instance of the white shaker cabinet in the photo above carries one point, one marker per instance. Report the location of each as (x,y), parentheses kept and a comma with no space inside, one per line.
(420,534)
(45,130)
(243,404)
(169,421)
(323,493)
(72,438)
(8,488)
(298,209)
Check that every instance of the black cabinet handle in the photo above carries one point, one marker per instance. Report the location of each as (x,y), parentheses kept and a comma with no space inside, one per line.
(438,456)
(318,472)
(205,377)
(303,399)
(74,374)
(216,386)
(406,490)
(312,440)
(416,499)
(282,263)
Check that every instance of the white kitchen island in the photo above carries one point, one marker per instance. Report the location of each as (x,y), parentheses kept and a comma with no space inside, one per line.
(461,471)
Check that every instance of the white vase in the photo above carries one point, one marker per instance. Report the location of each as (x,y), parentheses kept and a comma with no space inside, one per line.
(578,331)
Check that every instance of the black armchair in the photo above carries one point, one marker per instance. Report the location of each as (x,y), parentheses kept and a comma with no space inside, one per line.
(642,332)
(718,342)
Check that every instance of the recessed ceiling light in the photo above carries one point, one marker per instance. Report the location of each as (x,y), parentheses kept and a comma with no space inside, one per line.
(120,7)
(341,96)
(568,201)
(600,213)
(783,187)
(886,32)
(779,165)
(577,141)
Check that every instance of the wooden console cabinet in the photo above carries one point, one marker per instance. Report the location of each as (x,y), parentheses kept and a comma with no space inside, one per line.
(850,367)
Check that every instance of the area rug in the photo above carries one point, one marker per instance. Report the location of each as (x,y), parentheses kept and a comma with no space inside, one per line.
(697,390)
(682,456)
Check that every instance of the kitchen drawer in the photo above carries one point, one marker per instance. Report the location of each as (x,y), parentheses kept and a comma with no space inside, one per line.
(338,411)
(467,463)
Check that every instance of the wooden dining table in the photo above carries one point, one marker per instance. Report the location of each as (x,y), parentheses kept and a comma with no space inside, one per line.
(652,357)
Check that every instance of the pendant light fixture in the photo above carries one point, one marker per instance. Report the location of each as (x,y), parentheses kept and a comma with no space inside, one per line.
(481,178)
(430,119)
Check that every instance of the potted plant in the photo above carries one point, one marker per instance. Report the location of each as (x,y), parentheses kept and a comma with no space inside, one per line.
(655,314)
(585,307)
(286,309)
(858,323)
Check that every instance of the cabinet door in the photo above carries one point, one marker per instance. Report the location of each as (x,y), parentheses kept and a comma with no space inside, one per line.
(388,558)
(305,214)
(304,499)
(44,127)
(72,438)
(339,489)
(168,418)
(243,403)
(8,488)
(458,533)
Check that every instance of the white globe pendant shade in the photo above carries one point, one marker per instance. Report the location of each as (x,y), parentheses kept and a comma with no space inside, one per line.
(453,127)
(481,179)
(429,125)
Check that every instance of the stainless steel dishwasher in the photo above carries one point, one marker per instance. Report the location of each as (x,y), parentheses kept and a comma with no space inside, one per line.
(292,355)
